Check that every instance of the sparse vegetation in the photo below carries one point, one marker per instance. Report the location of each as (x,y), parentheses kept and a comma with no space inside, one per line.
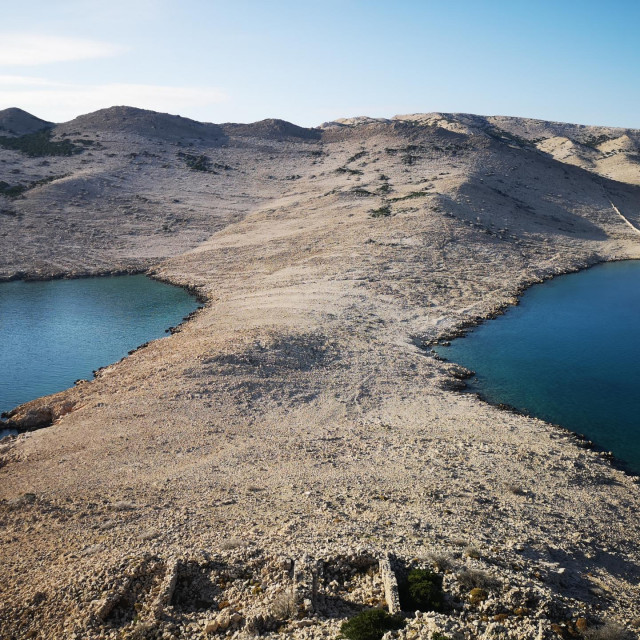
(441,561)
(594,141)
(354,172)
(87,143)
(284,606)
(410,159)
(40,144)
(504,136)
(197,162)
(16,190)
(232,543)
(410,196)
(515,489)
(370,624)
(422,591)
(381,212)
(609,631)
(11,191)
(357,156)
(476,579)
(478,595)
(471,552)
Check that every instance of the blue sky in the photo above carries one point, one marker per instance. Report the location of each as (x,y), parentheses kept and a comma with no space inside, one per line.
(308,61)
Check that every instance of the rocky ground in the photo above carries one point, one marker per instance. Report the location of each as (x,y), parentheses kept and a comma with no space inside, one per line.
(246,475)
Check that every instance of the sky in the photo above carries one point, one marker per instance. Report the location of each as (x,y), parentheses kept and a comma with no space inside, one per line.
(310,61)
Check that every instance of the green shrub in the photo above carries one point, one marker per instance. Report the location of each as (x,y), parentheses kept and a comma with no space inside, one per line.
(39,144)
(422,591)
(353,172)
(410,159)
(410,196)
(371,624)
(382,212)
(16,190)
(197,163)
(357,156)
(11,191)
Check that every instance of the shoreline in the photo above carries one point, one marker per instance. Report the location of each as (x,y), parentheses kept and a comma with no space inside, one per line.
(6,416)
(457,332)
(463,330)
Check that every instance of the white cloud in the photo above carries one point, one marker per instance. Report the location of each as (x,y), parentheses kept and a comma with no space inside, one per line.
(25,49)
(60,102)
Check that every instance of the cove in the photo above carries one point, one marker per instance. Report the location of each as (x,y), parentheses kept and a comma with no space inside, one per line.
(569,353)
(55,332)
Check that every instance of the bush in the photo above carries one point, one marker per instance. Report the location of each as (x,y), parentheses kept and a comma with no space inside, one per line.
(609,631)
(16,190)
(357,156)
(11,191)
(476,579)
(441,561)
(422,591)
(40,144)
(410,196)
(382,212)
(353,172)
(197,163)
(284,606)
(371,624)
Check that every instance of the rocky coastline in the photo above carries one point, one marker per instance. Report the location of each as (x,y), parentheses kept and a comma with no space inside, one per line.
(253,473)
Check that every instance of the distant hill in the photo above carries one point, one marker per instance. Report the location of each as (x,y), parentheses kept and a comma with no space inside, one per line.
(19,122)
(151,124)
(141,122)
(273,129)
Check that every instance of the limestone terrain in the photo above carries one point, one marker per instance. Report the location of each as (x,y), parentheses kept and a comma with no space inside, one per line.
(246,475)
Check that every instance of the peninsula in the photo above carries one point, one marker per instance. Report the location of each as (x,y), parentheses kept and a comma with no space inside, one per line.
(258,470)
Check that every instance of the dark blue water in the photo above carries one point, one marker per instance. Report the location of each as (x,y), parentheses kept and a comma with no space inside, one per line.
(569,354)
(53,333)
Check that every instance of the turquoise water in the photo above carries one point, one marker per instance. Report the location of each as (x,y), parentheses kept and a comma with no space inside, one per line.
(569,353)
(53,333)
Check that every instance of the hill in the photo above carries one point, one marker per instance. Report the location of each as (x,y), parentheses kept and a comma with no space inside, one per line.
(248,472)
(19,122)
(142,123)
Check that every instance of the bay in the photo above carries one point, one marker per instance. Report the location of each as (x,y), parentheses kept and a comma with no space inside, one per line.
(55,332)
(569,353)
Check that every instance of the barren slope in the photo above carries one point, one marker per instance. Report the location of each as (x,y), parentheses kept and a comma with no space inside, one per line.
(297,413)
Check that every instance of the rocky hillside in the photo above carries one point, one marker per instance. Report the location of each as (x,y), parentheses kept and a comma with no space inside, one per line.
(138,186)
(265,469)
